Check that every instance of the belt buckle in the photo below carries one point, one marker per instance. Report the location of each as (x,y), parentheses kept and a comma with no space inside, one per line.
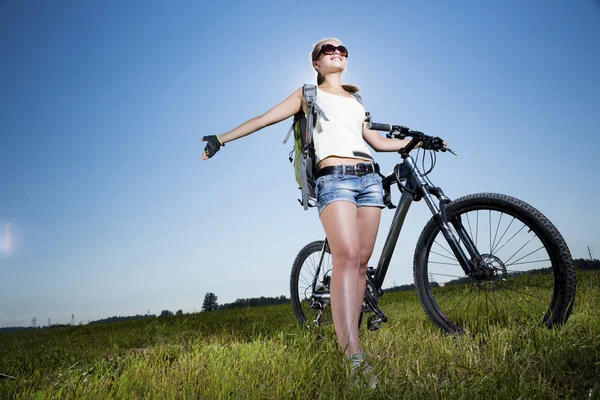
(361,169)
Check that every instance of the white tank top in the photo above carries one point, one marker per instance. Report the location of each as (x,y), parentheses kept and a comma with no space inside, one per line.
(341,136)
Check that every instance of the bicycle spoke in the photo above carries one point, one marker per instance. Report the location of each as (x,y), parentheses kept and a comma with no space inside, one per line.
(312,264)
(469,305)
(304,281)
(450,276)
(469,222)
(487,313)
(443,263)
(490,226)
(517,252)
(496,234)
(441,255)
(513,284)
(527,262)
(449,311)
(447,251)
(447,295)
(524,256)
(517,304)
(492,303)
(511,238)
(537,286)
(501,237)
(525,294)
(477,229)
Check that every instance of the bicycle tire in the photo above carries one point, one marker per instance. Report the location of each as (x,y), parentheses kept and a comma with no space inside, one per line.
(512,297)
(301,288)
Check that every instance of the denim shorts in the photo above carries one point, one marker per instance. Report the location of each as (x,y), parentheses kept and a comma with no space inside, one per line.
(363,191)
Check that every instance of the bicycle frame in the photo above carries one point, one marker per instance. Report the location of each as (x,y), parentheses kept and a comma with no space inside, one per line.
(427,192)
(419,189)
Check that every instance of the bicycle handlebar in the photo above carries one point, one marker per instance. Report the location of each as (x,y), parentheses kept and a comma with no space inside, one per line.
(401,132)
(380,127)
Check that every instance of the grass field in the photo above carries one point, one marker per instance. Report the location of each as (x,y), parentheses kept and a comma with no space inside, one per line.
(261,353)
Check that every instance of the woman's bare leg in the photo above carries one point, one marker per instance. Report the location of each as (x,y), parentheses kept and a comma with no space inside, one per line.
(340,221)
(368,226)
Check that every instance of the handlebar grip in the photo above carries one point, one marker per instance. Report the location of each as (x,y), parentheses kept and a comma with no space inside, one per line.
(379,127)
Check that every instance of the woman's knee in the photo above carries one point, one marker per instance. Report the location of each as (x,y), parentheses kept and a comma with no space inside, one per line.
(346,257)
(364,258)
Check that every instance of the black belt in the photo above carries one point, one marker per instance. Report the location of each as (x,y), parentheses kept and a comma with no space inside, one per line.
(357,169)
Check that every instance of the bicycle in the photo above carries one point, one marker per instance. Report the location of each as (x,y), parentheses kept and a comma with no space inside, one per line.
(510,266)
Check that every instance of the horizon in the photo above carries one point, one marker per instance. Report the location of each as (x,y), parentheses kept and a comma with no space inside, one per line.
(106,208)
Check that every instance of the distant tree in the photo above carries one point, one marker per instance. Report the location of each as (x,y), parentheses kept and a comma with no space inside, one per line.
(118,319)
(254,302)
(166,313)
(179,312)
(586,264)
(401,288)
(210,302)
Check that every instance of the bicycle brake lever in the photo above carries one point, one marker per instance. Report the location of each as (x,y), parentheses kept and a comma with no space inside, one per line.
(450,150)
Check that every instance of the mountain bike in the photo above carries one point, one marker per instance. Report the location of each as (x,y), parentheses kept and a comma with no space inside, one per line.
(481,260)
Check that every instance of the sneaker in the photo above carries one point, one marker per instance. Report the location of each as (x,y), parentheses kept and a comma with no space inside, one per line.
(361,370)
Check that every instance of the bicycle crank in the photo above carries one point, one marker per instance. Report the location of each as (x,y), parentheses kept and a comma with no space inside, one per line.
(374,321)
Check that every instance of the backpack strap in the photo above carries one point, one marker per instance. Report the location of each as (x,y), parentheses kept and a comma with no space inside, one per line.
(358,98)
(304,179)
(313,111)
(310,97)
(287,137)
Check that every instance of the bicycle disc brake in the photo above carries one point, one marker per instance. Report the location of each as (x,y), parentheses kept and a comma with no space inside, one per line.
(491,273)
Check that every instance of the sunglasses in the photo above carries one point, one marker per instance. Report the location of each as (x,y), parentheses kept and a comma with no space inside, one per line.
(329,49)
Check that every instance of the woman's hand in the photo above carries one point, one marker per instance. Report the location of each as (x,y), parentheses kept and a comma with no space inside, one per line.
(213,144)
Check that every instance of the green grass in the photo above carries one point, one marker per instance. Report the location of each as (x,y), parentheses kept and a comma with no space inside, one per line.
(261,353)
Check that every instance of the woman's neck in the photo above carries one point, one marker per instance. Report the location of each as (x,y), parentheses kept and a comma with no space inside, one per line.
(332,81)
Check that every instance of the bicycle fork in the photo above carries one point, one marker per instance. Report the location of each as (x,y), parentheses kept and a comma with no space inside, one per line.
(427,192)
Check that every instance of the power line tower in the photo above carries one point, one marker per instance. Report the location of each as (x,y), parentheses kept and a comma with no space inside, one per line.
(72,319)
(590,253)
(33,322)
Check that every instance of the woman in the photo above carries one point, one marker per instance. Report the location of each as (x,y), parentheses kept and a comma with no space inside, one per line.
(349,204)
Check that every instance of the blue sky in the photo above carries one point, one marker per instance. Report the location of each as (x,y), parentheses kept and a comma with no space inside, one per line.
(106,208)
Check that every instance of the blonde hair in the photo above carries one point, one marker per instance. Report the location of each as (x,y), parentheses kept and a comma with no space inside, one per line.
(314,55)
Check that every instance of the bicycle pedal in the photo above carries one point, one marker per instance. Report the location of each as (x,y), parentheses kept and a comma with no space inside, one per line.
(374,322)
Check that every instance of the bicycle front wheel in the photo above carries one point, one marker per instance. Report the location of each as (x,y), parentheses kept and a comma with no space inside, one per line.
(525,278)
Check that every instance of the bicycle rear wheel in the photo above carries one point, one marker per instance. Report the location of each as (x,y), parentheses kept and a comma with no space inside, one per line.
(526,278)
(304,270)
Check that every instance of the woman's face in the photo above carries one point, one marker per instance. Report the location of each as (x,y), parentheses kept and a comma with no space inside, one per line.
(330,63)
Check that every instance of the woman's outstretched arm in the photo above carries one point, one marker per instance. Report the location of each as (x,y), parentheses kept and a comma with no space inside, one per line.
(283,110)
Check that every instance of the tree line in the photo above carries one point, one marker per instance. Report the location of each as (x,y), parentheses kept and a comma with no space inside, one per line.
(210,300)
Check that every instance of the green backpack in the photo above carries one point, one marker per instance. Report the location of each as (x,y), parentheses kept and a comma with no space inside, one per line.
(303,153)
